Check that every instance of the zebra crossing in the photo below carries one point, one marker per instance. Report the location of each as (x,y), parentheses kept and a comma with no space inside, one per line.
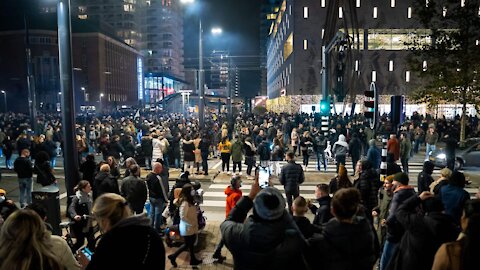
(214,196)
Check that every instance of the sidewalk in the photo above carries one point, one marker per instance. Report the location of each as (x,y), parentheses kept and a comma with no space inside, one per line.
(207,241)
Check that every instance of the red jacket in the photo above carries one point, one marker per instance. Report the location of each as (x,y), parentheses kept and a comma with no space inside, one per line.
(393,146)
(233,196)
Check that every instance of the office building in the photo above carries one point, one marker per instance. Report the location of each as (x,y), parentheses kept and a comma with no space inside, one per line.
(294,54)
(268,12)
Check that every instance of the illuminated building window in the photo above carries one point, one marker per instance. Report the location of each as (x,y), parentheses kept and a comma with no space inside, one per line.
(424,65)
(409,12)
(305,12)
(322,3)
(288,46)
(444,11)
(340,12)
(392,3)
(323,32)
(375,12)
(358,3)
(305,44)
(356,65)
(83,16)
(462,3)
(390,65)
(374,76)
(407,76)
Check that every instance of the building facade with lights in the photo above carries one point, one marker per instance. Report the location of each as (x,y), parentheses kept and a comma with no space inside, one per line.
(294,50)
(105,70)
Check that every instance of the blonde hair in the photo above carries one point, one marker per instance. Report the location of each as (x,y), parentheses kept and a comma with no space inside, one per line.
(105,168)
(111,207)
(25,243)
(446,172)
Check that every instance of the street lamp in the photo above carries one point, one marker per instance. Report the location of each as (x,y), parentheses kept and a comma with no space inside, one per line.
(5,99)
(84,94)
(100,101)
(216,31)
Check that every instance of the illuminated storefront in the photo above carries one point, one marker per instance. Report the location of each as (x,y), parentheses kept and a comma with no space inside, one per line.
(158,86)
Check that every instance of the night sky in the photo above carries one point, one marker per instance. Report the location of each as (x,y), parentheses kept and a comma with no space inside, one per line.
(240,21)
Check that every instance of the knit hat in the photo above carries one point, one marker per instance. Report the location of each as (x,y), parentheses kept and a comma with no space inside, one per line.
(269,204)
(401,177)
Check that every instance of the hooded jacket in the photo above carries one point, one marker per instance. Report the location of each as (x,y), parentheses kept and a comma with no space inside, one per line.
(131,242)
(340,148)
(233,196)
(259,244)
(237,151)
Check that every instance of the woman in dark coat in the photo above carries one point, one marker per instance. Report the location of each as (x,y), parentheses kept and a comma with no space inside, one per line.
(88,169)
(127,240)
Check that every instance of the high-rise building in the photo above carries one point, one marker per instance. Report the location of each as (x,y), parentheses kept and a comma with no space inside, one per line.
(219,70)
(154,27)
(268,12)
(294,54)
(235,81)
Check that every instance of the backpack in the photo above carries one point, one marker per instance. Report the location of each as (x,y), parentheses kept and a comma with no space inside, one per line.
(202,221)
(264,152)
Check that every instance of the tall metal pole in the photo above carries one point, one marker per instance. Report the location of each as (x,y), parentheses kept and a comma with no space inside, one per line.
(201,90)
(32,100)
(5,99)
(68,101)
(229,98)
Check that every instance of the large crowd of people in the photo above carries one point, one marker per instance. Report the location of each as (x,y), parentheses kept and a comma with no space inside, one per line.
(359,219)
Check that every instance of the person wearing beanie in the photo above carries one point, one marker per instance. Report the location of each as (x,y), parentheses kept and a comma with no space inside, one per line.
(425,178)
(267,239)
(454,196)
(401,192)
(423,233)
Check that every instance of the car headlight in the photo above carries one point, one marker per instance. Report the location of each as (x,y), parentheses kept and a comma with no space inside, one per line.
(441,156)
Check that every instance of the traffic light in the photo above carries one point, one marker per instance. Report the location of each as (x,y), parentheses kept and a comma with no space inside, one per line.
(324,107)
(370,104)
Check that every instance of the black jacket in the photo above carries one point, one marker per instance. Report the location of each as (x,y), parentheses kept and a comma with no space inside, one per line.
(322,213)
(368,185)
(104,183)
(88,169)
(135,191)
(23,167)
(423,236)
(147,147)
(259,244)
(291,176)
(425,177)
(395,230)
(344,246)
(306,227)
(156,186)
(44,173)
(130,244)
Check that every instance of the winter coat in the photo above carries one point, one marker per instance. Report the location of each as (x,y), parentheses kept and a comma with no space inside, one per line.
(423,236)
(454,199)
(44,173)
(340,148)
(104,183)
(373,155)
(225,147)
(134,240)
(249,149)
(394,228)
(233,196)
(431,139)
(129,150)
(88,169)
(197,151)
(23,167)
(425,177)
(291,176)
(384,200)
(355,148)
(188,151)
(135,191)
(237,151)
(147,147)
(257,244)
(368,184)
(294,138)
(343,246)
(156,150)
(449,255)
(393,146)
(322,213)
(405,148)
(306,227)
(188,219)
(114,149)
(264,151)
(81,205)
(157,186)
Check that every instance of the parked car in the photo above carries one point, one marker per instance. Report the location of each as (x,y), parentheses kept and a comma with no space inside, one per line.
(466,156)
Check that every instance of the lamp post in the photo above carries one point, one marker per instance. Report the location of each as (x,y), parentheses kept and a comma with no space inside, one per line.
(84,94)
(100,101)
(5,99)
(68,99)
